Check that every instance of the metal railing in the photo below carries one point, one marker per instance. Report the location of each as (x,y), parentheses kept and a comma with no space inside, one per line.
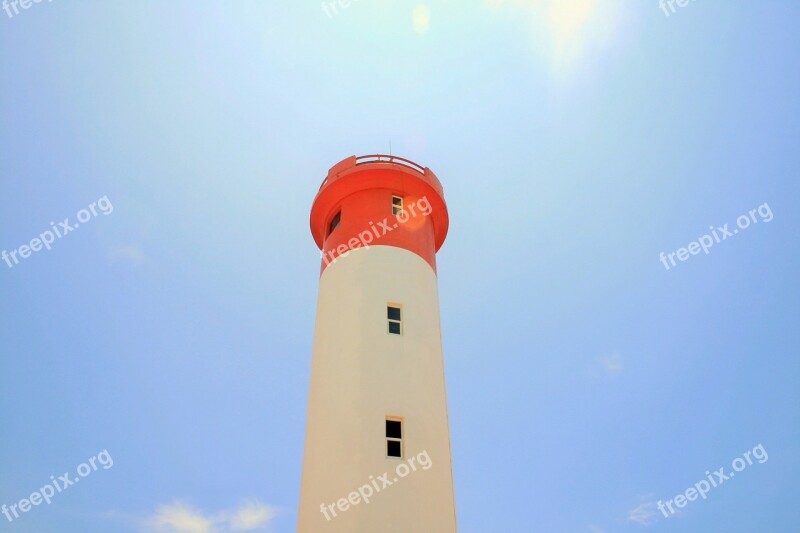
(381,158)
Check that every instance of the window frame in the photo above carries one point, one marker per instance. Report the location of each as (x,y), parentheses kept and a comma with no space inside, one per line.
(390,321)
(400,440)
(397,209)
(335,221)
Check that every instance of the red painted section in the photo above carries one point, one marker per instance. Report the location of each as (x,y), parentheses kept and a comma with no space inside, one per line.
(362,189)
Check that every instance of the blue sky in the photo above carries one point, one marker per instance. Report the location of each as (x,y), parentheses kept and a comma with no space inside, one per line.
(576,141)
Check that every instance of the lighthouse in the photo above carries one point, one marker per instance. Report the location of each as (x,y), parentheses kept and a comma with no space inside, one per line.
(377,446)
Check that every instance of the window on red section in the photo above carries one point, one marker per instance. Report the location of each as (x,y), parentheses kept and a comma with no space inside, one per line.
(334,222)
(397,205)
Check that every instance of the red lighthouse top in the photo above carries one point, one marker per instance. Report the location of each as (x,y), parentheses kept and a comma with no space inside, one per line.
(379,200)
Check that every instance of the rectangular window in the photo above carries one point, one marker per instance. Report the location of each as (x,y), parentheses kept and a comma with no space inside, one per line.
(394,437)
(397,205)
(334,222)
(395,322)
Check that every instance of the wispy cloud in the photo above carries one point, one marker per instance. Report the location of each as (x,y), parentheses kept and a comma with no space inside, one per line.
(643,515)
(180,517)
(596,529)
(612,363)
(252,516)
(131,253)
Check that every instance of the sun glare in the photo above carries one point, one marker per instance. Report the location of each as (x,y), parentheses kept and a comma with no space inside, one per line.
(567,32)
(422,18)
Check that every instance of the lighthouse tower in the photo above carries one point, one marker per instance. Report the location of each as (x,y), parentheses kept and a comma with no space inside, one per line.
(377,446)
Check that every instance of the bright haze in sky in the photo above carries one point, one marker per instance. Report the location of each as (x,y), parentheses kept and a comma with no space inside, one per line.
(588,376)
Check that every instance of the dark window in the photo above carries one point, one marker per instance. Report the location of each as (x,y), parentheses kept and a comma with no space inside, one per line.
(397,205)
(394,448)
(394,429)
(334,222)
(394,438)
(393,314)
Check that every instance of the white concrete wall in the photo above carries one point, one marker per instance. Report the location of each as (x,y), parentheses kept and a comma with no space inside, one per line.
(360,375)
